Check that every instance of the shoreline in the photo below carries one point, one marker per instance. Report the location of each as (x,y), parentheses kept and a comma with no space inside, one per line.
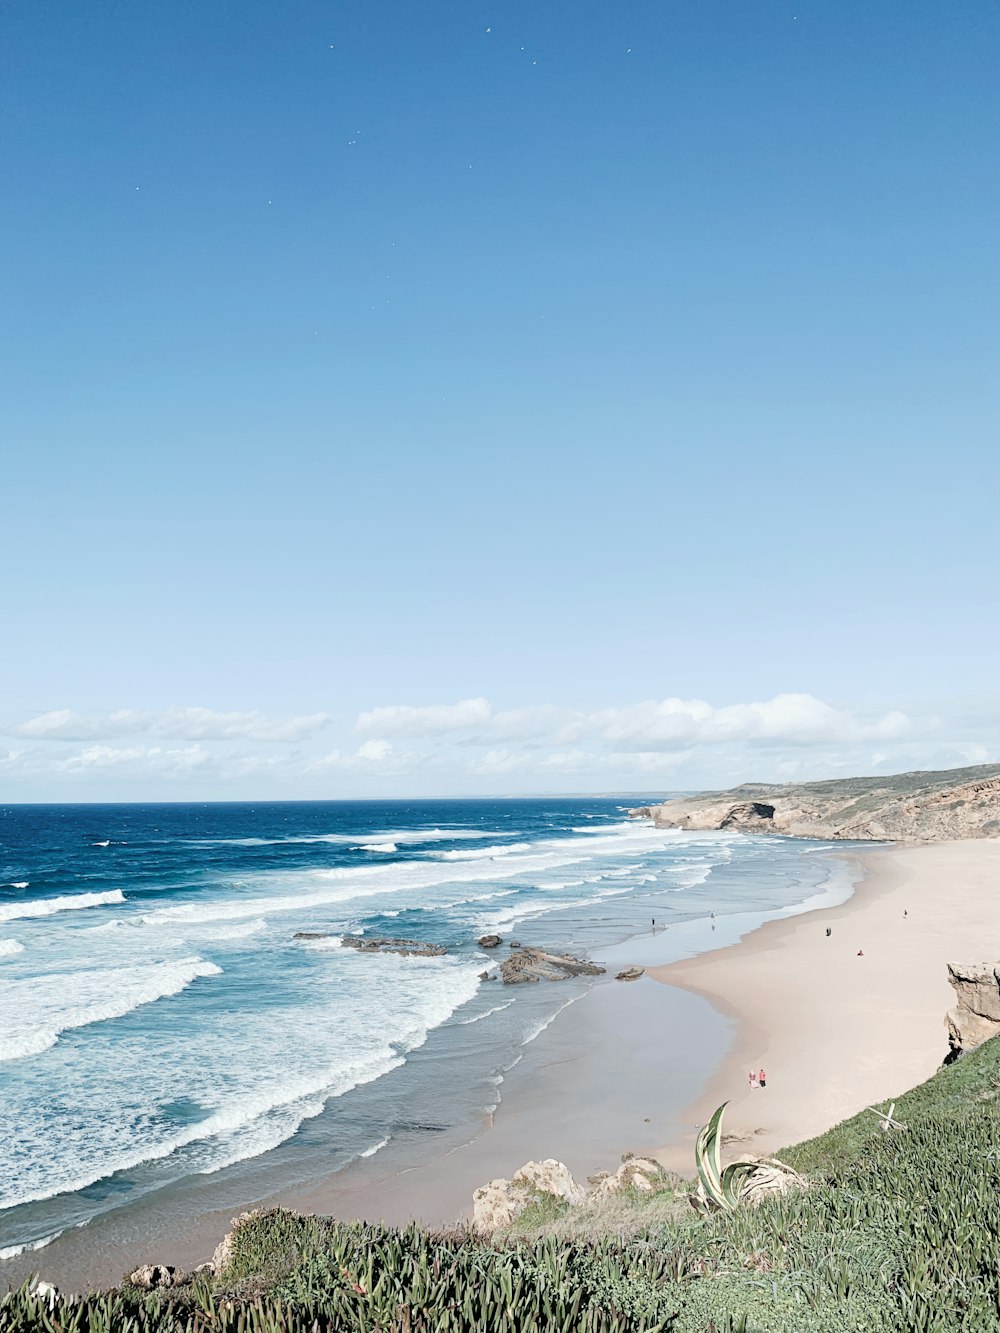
(604,1078)
(576,1093)
(835,1031)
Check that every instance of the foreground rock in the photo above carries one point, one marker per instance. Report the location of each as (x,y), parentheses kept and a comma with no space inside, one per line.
(641,1174)
(154,1277)
(500,1203)
(489,941)
(537,965)
(408,948)
(630,974)
(976,1016)
(908,807)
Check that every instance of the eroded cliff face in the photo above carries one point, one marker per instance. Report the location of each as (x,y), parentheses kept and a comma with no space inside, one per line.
(976,1016)
(906,807)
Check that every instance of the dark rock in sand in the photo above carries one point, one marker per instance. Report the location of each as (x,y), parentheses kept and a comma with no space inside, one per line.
(489,941)
(630,974)
(537,965)
(408,948)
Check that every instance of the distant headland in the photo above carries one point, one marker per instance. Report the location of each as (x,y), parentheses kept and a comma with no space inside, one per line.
(904,807)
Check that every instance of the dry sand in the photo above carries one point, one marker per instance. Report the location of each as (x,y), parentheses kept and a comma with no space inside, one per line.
(836,1032)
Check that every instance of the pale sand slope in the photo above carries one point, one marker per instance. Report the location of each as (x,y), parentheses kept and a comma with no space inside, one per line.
(836,1032)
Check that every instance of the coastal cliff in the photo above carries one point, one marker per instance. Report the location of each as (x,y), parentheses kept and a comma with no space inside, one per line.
(904,807)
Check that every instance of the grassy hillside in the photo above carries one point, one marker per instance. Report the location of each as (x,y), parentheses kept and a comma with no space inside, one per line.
(898,1231)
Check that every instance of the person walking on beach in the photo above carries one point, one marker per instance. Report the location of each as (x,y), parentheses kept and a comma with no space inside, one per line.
(761,1080)
(753,1078)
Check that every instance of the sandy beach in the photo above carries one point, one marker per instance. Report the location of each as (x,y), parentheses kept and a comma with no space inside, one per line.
(836,1030)
(627,1067)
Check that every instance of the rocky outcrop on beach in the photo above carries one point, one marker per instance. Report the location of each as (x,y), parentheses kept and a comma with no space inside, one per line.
(905,807)
(498,1204)
(407,948)
(630,974)
(976,1016)
(537,965)
(155,1277)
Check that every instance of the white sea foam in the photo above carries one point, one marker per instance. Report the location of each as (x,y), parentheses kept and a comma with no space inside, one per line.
(239,932)
(17,884)
(539,1028)
(377,847)
(299,1060)
(527,911)
(621,826)
(353,839)
(48,906)
(10,947)
(12,1251)
(480,852)
(376,1147)
(105,843)
(476,1018)
(345,884)
(689,877)
(33,1013)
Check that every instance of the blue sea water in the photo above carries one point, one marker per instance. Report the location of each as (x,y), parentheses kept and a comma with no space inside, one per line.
(162,1028)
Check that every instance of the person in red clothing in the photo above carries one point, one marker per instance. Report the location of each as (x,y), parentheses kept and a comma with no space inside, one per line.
(761,1080)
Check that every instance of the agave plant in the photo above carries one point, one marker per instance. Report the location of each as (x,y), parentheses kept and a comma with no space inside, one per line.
(718,1187)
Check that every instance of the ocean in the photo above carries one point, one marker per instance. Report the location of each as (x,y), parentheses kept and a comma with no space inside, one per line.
(162,1030)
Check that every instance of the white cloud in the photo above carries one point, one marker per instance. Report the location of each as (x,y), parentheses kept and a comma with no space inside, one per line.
(143,760)
(429,720)
(652,725)
(795,719)
(471,746)
(171,723)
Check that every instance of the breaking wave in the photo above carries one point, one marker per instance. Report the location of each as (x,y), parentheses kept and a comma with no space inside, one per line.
(34,1013)
(48,906)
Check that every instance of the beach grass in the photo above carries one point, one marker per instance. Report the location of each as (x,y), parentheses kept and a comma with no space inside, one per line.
(898,1229)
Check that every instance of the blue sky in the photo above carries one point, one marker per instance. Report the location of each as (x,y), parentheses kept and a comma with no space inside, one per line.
(574,368)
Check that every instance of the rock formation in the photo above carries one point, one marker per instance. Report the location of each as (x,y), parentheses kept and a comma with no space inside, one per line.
(408,948)
(906,807)
(499,1204)
(636,1173)
(496,1205)
(537,965)
(152,1277)
(976,1016)
(629,974)
(489,941)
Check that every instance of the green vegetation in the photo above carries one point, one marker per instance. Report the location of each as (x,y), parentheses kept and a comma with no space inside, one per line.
(899,1230)
(718,1187)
